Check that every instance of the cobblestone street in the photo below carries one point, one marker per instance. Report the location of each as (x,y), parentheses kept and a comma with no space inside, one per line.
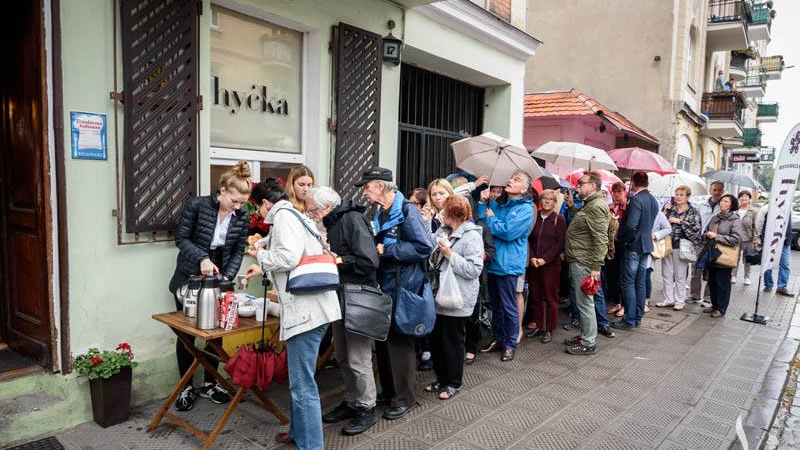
(678,383)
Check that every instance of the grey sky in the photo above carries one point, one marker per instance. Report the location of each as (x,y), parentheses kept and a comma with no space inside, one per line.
(786,91)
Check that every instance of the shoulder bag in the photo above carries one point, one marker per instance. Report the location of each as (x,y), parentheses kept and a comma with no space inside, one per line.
(662,248)
(414,314)
(314,274)
(728,257)
(366,311)
(686,250)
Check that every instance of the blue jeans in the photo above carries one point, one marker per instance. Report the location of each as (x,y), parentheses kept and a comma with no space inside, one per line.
(632,282)
(306,420)
(783,270)
(505,317)
(600,304)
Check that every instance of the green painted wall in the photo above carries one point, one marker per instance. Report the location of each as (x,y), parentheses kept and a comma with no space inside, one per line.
(115,289)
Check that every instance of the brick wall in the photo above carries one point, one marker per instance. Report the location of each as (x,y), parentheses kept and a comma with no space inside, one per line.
(501,8)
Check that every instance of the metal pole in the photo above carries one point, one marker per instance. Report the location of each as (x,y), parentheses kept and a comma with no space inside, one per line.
(755,317)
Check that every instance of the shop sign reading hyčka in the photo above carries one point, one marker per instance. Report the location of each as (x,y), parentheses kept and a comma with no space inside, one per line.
(255,99)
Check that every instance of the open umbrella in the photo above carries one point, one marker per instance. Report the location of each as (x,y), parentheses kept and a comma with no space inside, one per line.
(733,178)
(495,156)
(665,186)
(547,181)
(606,177)
(636,158)
(574,155)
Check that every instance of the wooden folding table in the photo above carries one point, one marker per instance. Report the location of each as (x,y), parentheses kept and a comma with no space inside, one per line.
(187,334)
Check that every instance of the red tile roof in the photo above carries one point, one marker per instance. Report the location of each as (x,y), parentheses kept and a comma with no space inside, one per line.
(576,103)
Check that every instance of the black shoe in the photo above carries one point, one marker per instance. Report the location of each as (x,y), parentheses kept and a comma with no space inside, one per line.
(469,361)
(492,347)
(784,291)
(340,413)
(622,326)
(508,355)
(548,336)
(572,324)
(533,332)
(605,331)
(426,365)
(573,340)
(381,400)
(396,412)
(215,393)
(361,422)
(580,349)
(185,401)
(767,288)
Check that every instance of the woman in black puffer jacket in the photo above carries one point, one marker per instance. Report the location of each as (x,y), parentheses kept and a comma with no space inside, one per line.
(211,236)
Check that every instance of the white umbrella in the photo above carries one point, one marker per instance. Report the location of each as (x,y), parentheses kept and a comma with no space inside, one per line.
(665,185)
(492,155)
(574,155)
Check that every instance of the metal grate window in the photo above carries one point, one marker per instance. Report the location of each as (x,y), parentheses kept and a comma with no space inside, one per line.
(435,111)
(160,67)
(358,105)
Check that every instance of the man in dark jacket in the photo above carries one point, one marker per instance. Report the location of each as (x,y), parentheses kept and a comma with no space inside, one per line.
(350,239)
(403,243)
(635,235)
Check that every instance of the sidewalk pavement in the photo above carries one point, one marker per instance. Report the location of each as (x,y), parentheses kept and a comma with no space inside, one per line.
(679,382)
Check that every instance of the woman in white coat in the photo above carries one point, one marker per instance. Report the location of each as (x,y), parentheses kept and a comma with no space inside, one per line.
(304,318)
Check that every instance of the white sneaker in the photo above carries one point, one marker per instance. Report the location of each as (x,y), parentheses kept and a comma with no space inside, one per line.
(705,304)
(747,282)
(733,280)
(664,304)
(678,307)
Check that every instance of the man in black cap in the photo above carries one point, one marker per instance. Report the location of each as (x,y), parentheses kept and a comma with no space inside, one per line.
(402,244)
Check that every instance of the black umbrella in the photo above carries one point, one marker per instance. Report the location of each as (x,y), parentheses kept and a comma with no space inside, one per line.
(548,180)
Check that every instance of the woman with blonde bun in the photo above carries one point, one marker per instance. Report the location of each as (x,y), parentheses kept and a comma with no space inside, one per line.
(211,238)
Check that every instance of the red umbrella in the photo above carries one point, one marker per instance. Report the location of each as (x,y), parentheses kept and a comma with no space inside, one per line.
(636,158)
(606,177)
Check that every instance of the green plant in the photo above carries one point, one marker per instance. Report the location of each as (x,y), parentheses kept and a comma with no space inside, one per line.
(749,52)
(96,364)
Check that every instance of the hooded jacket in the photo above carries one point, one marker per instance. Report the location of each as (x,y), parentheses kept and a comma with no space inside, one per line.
(467,262)
(406,245)
(287,242)
(510,226)
(350,237)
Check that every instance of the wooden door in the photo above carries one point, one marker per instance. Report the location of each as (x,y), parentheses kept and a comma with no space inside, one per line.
(24,294)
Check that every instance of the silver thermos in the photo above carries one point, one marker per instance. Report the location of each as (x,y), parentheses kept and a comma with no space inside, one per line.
(207,303)
(190,298)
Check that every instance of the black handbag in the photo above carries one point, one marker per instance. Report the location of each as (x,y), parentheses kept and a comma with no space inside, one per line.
(366,311)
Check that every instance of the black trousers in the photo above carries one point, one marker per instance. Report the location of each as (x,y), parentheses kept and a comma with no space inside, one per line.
(612,271)
(185,358)
(719,283)
(397,362)
(447,344)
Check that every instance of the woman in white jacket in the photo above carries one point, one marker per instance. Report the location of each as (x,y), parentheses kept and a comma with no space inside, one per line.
(304,318)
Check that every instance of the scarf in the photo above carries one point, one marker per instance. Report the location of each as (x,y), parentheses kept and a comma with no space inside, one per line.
(395,219)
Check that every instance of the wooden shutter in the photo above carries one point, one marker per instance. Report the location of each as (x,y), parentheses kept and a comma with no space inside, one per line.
(358,105)
(160,68)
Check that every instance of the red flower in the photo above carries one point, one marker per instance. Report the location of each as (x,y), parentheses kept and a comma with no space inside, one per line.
(96,361)
(124,346)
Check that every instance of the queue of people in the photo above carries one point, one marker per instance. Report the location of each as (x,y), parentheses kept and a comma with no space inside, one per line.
(460,248)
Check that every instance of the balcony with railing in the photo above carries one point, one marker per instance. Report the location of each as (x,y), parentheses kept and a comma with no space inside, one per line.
(727,25)
(738,67)
(724,112)
(767,113)
(772,66)
(760,23)
(751,137)
(754,84)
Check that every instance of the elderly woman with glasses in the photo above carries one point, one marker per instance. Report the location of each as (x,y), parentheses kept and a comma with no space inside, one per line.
(350,239)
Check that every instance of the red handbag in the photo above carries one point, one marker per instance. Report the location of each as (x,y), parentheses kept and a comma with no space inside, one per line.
(589,285)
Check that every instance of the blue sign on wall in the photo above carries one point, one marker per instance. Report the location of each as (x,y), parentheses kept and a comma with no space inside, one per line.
(89,136)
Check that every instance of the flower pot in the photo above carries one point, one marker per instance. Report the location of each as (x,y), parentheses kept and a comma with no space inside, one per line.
(111,398)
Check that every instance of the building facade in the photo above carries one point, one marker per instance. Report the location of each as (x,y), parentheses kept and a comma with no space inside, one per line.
(658,63)
(141,104)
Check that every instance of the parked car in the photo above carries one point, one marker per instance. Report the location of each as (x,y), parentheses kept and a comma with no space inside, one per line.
(796,229)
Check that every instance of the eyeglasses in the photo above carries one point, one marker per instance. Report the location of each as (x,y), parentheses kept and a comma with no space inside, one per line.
(581,183)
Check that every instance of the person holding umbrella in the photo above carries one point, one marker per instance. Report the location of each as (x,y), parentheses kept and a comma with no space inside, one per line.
(509,218)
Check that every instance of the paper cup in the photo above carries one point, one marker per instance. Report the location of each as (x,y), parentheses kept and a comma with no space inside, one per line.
(259,304)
